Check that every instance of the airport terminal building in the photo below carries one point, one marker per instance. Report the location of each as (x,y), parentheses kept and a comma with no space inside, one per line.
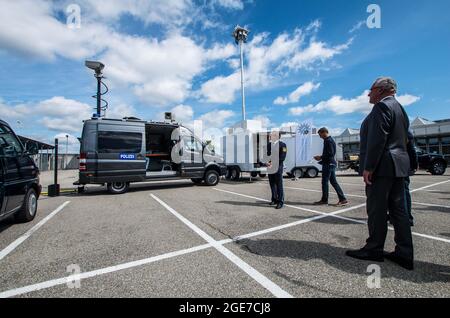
(430,136)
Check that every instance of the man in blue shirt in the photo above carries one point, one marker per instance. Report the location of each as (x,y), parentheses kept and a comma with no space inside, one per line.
(328,162)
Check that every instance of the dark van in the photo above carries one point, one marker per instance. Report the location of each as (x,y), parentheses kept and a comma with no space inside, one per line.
(19,177)
(117,152)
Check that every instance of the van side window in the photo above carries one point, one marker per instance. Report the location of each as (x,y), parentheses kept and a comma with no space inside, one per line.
(191,144)
(9,144)
(119,142)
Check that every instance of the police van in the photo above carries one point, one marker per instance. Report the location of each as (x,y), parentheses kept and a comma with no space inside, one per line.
(117,152)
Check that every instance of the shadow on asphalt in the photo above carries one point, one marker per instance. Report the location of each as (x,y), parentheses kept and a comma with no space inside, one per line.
(424,272)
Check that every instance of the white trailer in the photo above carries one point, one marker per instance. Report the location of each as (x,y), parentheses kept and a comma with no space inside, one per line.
(300,160)
(243,149)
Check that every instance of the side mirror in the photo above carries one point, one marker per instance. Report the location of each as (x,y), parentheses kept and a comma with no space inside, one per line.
(31,148)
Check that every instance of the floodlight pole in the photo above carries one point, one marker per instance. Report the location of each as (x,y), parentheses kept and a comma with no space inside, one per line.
(240,35)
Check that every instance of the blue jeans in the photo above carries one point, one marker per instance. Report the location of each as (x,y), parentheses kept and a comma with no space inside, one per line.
(329,176)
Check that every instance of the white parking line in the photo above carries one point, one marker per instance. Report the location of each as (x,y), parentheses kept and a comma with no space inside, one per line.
(11,247)
(361,196)
(253,273)
(102,271)
(323,215)
(111,269)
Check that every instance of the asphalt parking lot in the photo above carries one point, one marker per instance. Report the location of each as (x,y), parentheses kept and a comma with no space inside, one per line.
(175,239)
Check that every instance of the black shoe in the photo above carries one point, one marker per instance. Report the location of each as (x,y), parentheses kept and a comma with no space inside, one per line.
(411,223)
(273,203)
(365,255)
(401,261)
(279,206)
(320,203)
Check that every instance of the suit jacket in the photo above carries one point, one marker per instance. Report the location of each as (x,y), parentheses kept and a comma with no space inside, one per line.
(384,139)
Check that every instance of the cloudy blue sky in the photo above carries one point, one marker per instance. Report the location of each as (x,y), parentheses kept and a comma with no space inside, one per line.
(304,60)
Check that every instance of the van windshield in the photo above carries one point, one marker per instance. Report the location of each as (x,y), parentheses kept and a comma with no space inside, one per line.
(9,144)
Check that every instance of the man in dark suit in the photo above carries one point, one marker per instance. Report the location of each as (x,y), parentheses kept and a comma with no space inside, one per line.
(277,151)
(384,164)
(328,162)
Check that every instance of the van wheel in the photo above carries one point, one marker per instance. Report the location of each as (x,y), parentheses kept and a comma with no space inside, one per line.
(438,168)
(118,187)
(29,207)
(254,174)
(197,181)
(297,173)
(235,173)
(262,175)
(312,172)
(211,178)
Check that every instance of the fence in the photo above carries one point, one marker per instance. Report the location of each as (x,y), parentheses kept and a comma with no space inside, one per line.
(46,161)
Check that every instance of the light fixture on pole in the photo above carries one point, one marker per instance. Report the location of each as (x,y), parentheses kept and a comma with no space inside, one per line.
(67,151)
(240,35)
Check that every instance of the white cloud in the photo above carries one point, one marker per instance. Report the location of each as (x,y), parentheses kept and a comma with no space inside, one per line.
(166,12)
(407,99)
(28,27)
(357,26)
(216,119)
(316,52)
(159,71)
(221,89)
(183,113)
(341,106)
(265,121)
(230,4)
(301,91)
(268,62)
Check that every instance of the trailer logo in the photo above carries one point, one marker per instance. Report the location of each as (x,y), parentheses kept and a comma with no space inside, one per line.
(125,156)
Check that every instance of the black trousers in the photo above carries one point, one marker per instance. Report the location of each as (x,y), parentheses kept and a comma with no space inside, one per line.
(276,186)
(388,194)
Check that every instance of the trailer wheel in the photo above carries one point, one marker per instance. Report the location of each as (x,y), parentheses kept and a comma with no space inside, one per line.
(254,174)
(228,174)
(211,178)
(28,210)
(262,175)
(297,173)
(312,172)
(235,173)
(118,187)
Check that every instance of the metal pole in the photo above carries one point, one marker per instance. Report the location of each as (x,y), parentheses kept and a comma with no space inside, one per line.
(56,163)
(242,79)
(99,94)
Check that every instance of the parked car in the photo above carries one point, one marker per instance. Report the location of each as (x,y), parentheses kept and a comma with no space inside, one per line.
(19,177)
(117,152)
(431,162)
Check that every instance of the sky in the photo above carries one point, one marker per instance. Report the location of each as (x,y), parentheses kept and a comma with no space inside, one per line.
(304,60)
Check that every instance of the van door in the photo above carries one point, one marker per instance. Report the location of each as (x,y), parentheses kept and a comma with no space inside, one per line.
(13,183)
(192,164)
(2,186)
(120,152)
